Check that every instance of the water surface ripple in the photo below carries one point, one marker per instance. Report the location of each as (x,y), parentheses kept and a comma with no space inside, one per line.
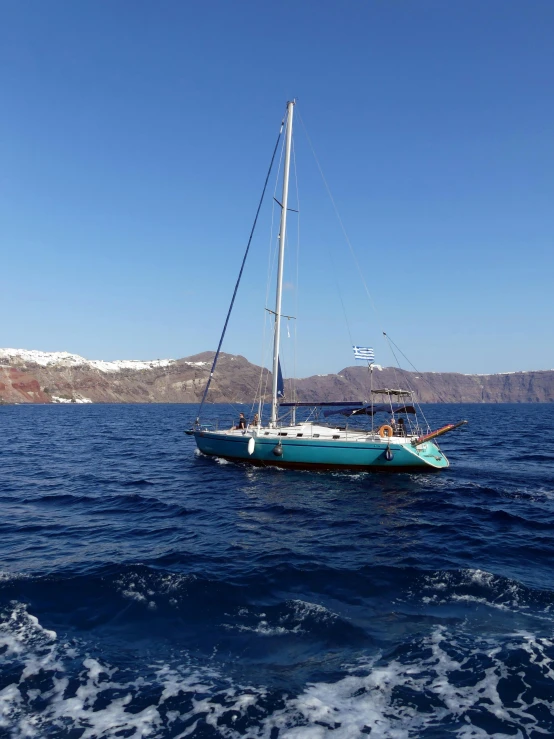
(148,591)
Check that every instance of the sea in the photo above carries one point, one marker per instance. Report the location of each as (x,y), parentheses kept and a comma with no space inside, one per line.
(149,591)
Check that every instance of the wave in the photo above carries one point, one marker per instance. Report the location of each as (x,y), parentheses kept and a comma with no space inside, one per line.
(108,503)
(273,593)
(446,682)
(137,483)
(532,457)
(526,522)
(476,586)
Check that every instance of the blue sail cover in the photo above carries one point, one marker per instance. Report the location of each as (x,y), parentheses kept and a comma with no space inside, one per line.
(369,410)
(317,404)
(280,383)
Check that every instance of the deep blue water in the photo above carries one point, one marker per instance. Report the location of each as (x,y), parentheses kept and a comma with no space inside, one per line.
(149,591)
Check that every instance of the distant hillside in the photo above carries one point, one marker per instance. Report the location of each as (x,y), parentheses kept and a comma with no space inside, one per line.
(40,377)
(28,376)
(434,387)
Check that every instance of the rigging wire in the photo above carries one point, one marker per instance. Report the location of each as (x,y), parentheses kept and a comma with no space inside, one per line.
(358,267)
(414,367)
(405,379)
(331,198)
(347,239)
(229,401)
(240,274)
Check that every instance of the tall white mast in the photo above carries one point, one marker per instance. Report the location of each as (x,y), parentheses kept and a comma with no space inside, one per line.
(282,235)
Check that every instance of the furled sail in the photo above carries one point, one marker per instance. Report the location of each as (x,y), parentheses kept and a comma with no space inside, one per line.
(280,383)
(370,410)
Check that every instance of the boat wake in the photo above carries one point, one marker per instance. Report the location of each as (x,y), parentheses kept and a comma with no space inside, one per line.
(449,680)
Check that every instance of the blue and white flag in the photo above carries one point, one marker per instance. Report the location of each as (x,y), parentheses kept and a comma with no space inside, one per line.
(365,353)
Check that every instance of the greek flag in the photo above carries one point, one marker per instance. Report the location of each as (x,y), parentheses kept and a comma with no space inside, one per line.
(365,353)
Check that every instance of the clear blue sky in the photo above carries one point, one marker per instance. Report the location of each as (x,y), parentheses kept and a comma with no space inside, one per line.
(135,137)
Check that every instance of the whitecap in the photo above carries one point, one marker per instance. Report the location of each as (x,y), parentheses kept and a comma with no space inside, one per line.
(456,677)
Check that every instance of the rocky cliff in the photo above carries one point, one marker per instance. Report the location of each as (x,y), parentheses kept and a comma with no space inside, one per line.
(40,377)
(353,383)
(58,377)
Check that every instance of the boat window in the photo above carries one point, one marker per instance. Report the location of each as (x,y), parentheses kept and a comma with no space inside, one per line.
(266,433)
(336,436)
(282,433)
(300,434)
(316,436)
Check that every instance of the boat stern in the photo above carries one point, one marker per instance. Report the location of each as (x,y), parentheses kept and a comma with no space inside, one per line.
(430,454)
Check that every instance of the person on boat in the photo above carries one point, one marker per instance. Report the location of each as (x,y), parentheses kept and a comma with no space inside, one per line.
(255,420)
(401,429)
(242,422)
(392,424)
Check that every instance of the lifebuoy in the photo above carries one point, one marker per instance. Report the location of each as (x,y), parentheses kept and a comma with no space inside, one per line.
(385,432)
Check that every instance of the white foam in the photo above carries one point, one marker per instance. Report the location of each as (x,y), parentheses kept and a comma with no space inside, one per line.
(146,588)
(367,701)
(10,576)
(10,702)
(132,594)
(291,622)
(44,657)
(453,676)
(304,609)
(495,592)
(481,577)
(262,629)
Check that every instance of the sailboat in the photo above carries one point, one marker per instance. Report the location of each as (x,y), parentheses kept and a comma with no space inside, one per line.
(400,444)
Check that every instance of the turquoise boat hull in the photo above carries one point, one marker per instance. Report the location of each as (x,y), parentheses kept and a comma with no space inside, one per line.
(310,453)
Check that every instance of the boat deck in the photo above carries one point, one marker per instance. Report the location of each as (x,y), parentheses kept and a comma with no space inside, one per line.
(316,431)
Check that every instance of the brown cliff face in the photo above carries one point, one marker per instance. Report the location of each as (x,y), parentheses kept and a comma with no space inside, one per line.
(353,383)
(237,380)
(181,381)
(19,385)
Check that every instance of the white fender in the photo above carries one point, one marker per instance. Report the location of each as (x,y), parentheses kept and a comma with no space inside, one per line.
(251,445)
